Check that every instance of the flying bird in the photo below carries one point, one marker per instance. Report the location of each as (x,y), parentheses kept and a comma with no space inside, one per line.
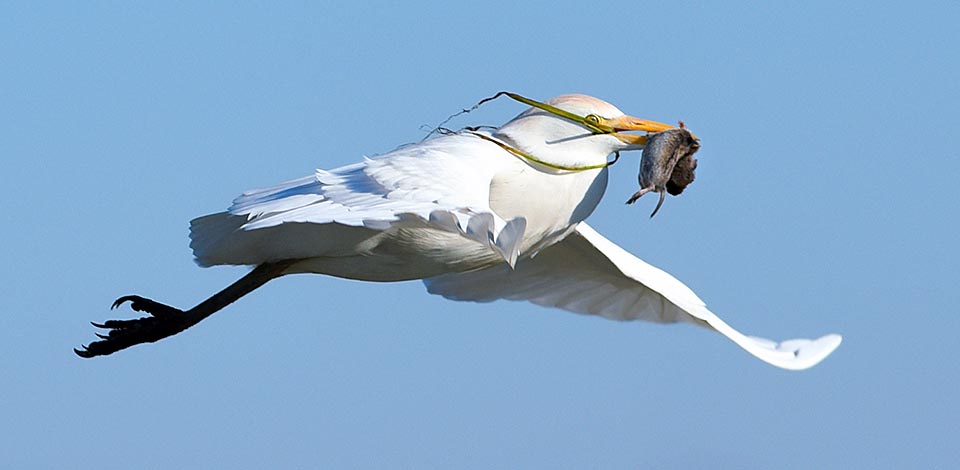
(477,214)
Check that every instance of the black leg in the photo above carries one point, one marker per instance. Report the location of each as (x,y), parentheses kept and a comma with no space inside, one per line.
(165,320)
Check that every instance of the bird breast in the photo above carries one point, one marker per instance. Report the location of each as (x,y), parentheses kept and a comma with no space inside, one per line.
(550,202)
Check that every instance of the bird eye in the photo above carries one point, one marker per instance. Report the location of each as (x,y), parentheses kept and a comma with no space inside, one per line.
(593,119)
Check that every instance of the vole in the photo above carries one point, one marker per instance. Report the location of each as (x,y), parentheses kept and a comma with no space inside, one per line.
(667,164)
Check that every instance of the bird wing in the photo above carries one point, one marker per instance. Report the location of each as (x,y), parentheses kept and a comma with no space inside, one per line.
(444,181)
(586,273)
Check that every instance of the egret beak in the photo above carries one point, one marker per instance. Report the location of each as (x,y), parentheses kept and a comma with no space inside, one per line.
(630,123)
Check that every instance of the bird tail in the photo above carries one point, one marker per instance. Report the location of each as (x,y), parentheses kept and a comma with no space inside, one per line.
(214,237)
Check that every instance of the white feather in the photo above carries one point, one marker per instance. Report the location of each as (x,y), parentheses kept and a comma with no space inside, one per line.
(424,183)
(586,273)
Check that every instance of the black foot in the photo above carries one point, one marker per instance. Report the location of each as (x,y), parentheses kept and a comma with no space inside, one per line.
(163,321)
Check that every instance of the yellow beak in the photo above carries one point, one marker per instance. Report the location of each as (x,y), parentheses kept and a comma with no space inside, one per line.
(630,123)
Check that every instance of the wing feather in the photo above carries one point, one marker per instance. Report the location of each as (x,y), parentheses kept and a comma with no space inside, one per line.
(440,181)
(586,273)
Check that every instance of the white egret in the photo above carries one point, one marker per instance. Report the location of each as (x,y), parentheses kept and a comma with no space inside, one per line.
(477,215)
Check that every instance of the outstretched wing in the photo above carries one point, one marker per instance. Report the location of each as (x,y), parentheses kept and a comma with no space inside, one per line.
(586,273)
(423,181)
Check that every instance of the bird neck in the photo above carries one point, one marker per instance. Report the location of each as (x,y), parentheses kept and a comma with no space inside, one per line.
(533,160)
(555,144)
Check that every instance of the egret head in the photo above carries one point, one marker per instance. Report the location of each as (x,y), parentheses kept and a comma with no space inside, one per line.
(589,131)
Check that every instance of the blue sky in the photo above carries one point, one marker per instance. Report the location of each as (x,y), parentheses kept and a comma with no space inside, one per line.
(825,202)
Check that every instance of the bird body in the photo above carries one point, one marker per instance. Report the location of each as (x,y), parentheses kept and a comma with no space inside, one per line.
(387,218)
(478,216)
(451,204)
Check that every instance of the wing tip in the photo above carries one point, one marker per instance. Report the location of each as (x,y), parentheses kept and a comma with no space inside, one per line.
(808,353)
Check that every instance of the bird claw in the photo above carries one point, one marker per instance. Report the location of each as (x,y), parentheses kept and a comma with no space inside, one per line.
(163,321)
(142,304)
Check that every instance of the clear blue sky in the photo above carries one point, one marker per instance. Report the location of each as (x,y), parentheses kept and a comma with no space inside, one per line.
(825,202)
